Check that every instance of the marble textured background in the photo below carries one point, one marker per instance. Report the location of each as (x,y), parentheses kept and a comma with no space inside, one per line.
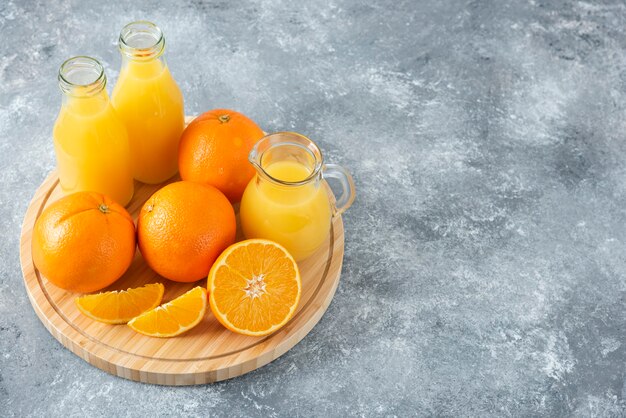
(485,258)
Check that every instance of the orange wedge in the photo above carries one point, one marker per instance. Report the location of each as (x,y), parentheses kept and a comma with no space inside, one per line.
(119,307)
(173,318)
(254,287)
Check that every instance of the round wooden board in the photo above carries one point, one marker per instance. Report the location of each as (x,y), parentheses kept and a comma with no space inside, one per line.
(207,353)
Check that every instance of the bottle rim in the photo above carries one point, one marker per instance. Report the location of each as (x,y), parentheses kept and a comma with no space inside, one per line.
(132,35)
(81,76)
(289,140)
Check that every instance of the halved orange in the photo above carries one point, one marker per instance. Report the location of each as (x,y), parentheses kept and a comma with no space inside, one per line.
(119,307)
(173,318)
(254,287)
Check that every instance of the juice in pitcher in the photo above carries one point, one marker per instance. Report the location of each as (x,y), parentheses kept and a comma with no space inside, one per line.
(149,101)
(90,140)
(296,217)
(288,201)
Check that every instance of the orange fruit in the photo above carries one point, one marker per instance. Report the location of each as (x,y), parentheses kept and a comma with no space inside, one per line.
(173,318)
(254,287)
(83,242)
(214,150)
(183,227)
(119,307)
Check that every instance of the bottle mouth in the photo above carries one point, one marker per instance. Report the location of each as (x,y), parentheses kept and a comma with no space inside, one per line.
(141,41)
(81,76)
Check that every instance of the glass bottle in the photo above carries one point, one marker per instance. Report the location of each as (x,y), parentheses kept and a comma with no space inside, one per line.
(90,140)
(149,102)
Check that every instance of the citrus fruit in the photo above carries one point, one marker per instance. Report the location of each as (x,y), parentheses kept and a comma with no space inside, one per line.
(183,227)
(214,150)
(119,307)
(83,242)
(173,318)
(254,287)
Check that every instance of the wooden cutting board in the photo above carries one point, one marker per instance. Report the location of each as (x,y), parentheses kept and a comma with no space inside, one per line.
(207,353)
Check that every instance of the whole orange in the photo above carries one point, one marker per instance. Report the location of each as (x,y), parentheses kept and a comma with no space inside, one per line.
(214,150)
(83,242)
(183,227)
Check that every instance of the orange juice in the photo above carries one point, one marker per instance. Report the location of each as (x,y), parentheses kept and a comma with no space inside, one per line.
(297,217)
(90,140)
(149,102)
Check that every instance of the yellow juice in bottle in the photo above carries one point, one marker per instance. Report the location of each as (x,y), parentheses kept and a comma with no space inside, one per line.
(297,217)
(90,140)
(149,102)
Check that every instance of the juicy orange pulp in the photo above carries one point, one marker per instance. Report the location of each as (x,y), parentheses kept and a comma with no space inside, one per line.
(254,287)
(173,318)
(119,307)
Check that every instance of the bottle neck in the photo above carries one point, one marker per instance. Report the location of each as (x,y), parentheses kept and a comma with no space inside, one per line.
(82,77)
(142,45)
(141,41)
(82,82)
(143,69)
(88,105)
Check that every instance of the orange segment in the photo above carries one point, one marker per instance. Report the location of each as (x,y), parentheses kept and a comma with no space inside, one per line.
(119,307)
(254,287)
(173,318)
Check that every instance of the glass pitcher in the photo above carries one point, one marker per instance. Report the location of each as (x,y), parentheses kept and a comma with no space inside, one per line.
(90,140)
(288,201)
(149,102)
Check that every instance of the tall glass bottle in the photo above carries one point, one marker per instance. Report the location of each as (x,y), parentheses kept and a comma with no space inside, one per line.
(90,140)
(149,102)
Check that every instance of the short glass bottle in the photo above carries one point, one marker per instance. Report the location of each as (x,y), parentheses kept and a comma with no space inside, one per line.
(149,102)
(90,140)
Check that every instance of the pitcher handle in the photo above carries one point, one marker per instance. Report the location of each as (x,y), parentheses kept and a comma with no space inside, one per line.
(337,172)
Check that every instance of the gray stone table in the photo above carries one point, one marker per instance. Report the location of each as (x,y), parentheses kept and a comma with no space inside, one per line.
(485,265)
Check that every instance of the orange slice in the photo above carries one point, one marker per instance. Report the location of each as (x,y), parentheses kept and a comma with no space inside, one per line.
(254,287)
(173,318)
(119,307)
